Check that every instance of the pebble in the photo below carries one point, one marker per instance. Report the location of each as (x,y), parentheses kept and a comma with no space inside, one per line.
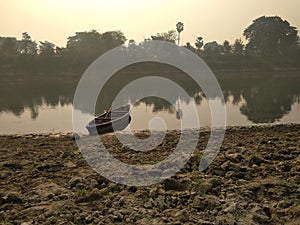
(74,181)
(182,215)
(12,197)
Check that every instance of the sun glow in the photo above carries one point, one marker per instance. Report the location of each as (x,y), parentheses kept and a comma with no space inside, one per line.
(93,5)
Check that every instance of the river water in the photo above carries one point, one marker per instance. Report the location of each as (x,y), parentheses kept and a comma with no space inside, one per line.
(254,98)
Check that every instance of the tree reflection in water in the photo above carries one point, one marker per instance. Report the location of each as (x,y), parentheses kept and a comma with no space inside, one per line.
(264,97)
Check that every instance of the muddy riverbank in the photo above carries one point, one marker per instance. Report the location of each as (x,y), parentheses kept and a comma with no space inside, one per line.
(255,179)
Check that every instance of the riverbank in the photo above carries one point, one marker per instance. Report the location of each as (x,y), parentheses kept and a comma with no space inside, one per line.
(255,179)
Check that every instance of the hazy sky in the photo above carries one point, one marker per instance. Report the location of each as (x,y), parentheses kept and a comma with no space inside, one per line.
(55,20)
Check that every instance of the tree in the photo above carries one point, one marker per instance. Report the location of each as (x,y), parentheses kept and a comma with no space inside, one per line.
(85,43)
(190,47)
(270,36)
(59,50)
(212,48)
(131,42)
(26,45)
(170,36)
(92,43)
(8,45)
(238,47)
(199,43)
(46,48)
(226,47)
(112,39)
(179,28)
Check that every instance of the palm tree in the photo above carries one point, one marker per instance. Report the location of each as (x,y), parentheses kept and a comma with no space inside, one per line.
(179,27)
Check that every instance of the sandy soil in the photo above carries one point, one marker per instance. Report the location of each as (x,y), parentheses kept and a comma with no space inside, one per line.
(254,179)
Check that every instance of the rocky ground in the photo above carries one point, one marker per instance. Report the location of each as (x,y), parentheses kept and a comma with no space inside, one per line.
(253,180)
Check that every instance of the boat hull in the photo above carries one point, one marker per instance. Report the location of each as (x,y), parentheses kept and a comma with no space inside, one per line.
(111,121)
(111,127)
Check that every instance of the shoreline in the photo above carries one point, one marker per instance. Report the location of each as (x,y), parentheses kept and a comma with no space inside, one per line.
(254,179)
(202,129)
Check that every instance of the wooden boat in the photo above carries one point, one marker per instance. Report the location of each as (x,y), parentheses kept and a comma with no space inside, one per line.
(113,120)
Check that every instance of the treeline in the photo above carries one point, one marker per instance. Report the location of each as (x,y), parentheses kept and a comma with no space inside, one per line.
(271,43)
(81,49)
